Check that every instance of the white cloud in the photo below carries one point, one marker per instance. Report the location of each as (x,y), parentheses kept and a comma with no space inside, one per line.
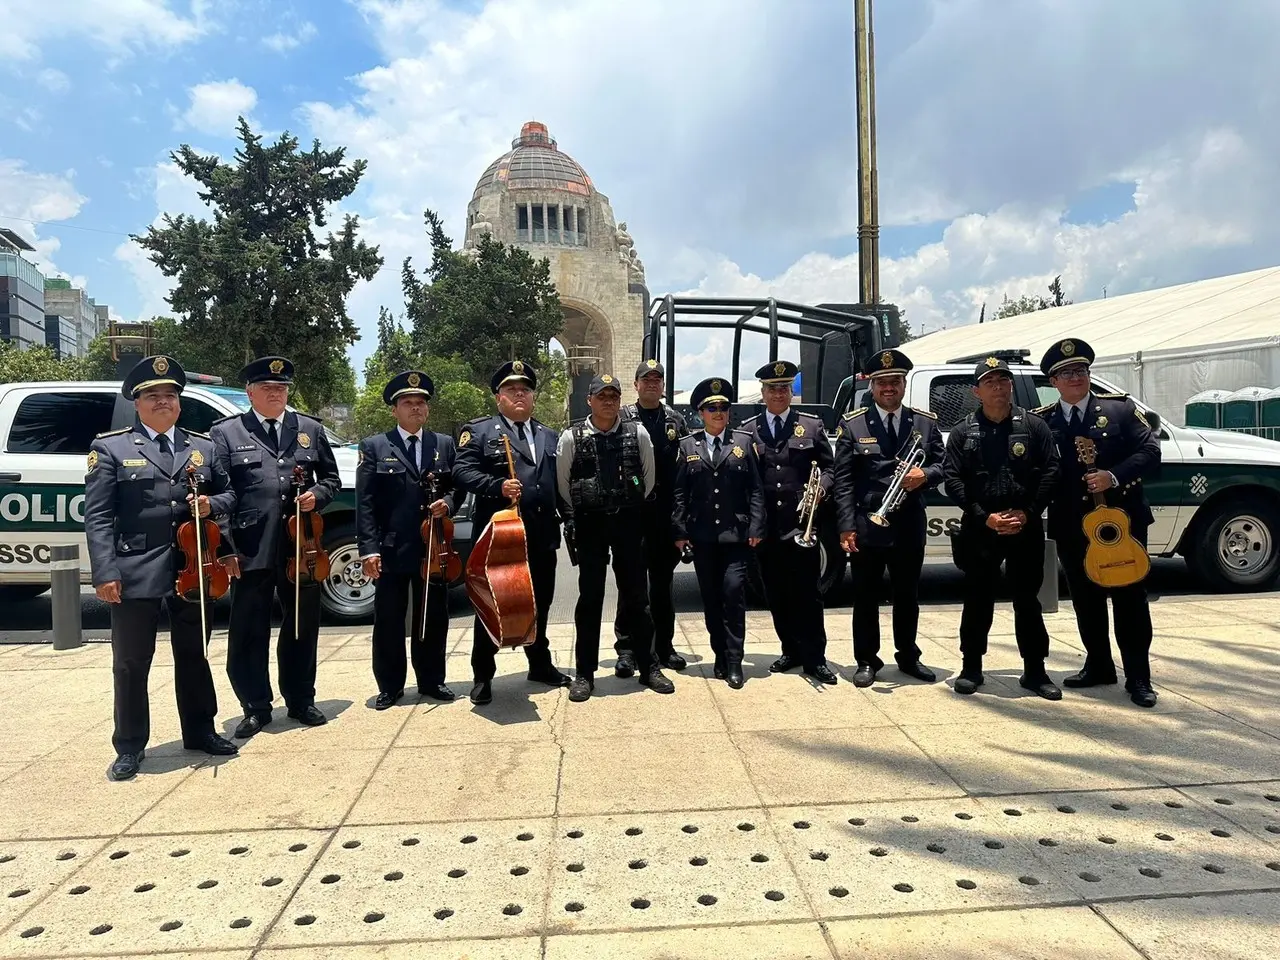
(119,26)
(42,197)
(215,106)
(285,40)
(55,81)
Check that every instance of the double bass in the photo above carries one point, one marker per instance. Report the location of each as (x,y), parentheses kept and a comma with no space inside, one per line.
(202,577)
(442,563)
(498,580)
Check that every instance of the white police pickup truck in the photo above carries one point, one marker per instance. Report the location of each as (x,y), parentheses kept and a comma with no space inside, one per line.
(45,432)
(1215,497)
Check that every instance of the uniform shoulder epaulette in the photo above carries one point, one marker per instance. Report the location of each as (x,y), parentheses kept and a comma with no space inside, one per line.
(925,413)
(487,416)
(751,419)
(855,413)
(233,416)
(114,433)
(1038,411)
(197,433)
(1112,396)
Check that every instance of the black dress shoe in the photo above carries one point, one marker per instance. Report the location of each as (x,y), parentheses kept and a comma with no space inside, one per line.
(783,664)
(438,692)
(482,692)
(865,675)
(309,716)
(821,672)
(656,682)
(625,667)
(1089,678)
(919,671)
(212,744)
(1140,692)
(969,681)
(674,661)
(1040,685)
(126,765)
(733,676)
(718,670)
(581,688)
(386,701)
(550,676)
(251,725)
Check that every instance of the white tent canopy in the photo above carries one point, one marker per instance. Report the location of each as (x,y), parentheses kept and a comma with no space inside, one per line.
(1163,346)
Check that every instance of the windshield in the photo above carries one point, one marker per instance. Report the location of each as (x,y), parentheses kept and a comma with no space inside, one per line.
(241,401)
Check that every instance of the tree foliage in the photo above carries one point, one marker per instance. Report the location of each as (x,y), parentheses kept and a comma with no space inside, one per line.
(260,279)
(36,363)
(1030,304)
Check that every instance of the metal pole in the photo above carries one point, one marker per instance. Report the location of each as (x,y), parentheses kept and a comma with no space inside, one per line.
(865,278)
(1049,588)
(874,223)
(65,587)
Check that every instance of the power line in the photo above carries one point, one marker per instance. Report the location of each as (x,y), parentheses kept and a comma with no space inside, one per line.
(62,226)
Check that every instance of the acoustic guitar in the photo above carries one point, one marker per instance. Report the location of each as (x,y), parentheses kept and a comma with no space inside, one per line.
(1113,558)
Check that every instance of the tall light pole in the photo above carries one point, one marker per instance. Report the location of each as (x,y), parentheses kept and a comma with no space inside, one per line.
(864,59)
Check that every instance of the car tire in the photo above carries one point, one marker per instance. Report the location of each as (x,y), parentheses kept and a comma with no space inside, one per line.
(833,562)
(346,596)
(1237,547)
(21,592)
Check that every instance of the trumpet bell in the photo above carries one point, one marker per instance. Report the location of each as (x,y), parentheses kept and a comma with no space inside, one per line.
(878,520)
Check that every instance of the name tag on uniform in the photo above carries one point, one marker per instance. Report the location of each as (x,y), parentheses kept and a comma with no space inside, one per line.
(246,446)
(691,457)
(390,459)
(866,439)
(133,463)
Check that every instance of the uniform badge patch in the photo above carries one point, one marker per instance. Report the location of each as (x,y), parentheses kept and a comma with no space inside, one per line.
(992,362)
(1103,421)
(739,452)
(799,429)
(1019,449)
(779,368)
(276,366)
(651,364)
(517,367)
(304,440)
(93,460)
(1068,348)
(886,360)
(715,386)
(414,379)
(606,379)
(671,433)
(160,366)
(197,458)
(839,432)
(464,438)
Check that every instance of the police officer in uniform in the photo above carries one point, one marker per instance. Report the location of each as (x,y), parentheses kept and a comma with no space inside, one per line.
(402,476)
(1126,449)
(136,496)
(481,469)
(666,428)
(259,449)
(787,444)
(869,445)
(604,473)
(719,510)
(1000,469)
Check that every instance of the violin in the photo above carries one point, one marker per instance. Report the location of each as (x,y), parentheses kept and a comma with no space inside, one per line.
(202,577)
(442,563)
(310,561)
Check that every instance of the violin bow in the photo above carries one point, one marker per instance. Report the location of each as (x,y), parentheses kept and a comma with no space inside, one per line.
(430,481)
(193,483)
(297,552)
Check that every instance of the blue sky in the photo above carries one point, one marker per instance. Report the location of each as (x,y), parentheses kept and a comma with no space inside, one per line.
(1122,146)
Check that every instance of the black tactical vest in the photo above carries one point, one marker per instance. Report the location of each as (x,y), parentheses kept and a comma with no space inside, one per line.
(1011,483)
(606,473)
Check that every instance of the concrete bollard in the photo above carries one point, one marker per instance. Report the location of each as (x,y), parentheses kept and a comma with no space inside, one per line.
(1049,588)
(64,587)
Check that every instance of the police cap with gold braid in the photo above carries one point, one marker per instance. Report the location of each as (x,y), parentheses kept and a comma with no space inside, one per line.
(514,371)
(887,363)
(711,390)
(777,371)
(153,372)
(1064,353)
(268,370)
(407,384)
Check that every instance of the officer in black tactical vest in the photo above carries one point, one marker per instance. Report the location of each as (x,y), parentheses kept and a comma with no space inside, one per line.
(481,469)
(259,449)
(788,445)
(604,473)
(666,428)
(394,495)
(1126,451)
(135,498)
(1001,467)
(871,445)
(719,510)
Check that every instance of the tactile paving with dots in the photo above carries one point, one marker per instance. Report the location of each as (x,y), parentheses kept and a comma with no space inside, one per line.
(1254,806)
(428,882)
(1133,843)
(31,869)
(167,893)
(658,869)
(893,857)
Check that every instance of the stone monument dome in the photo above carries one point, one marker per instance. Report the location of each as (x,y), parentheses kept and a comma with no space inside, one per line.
(539,198)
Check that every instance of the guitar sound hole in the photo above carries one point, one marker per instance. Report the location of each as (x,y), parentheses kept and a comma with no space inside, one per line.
(1109,533)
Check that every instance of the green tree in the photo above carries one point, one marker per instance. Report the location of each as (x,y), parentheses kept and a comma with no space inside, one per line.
(1030,304)
(259,279)
(36,363)
(490,304)
(553,390)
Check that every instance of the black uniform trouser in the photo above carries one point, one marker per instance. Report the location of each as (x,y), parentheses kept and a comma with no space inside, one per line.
(392,594)
(790,573)
(249,641)
(722,577)
(542,570)
(1023,558)
(904,558)
(660,560)
(133,644)
(600,536)
(1132,615)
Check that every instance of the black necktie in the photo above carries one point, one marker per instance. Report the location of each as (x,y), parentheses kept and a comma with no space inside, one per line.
(166,454)
(1075,419)
(892,434)
(413,451)
(272,435)
(777,427)
(520,433)
(715,451)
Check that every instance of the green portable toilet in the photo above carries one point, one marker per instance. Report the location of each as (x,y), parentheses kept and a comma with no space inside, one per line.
(1205,409)
(1241,409)
(1270,418)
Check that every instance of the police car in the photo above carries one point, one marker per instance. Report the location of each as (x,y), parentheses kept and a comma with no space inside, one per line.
(1215,497)
(45,432)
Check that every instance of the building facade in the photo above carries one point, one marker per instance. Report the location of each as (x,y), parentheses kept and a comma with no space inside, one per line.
(21,294)
(77,313)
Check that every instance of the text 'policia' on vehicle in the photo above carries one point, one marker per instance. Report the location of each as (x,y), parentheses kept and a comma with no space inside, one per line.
(45,433)
(1215,496)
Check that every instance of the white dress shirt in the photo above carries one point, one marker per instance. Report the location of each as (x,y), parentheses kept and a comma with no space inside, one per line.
(417,451)
(528,435)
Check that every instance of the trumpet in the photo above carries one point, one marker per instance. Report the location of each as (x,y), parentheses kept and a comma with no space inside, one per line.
(808,508)
(894,496)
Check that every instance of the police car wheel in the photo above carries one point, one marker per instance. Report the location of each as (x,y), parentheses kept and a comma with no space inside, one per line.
(347,596)
(832,562)
(1238,547)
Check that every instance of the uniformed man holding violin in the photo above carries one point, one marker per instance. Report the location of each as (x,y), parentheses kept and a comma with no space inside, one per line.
(136,498)
(259,449)
(404,476)
(481,469)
